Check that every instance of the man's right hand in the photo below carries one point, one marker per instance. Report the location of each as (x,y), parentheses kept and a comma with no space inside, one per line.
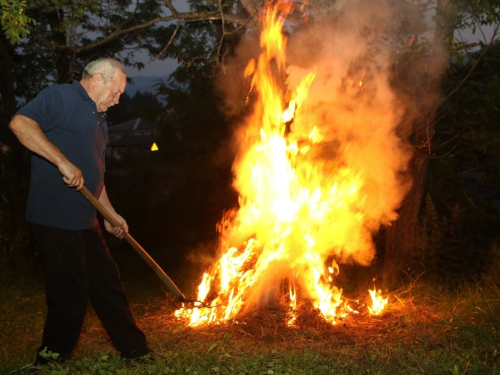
(72,175)
(32,137)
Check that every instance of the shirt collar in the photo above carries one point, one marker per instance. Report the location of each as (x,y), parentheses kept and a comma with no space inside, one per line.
(81,91)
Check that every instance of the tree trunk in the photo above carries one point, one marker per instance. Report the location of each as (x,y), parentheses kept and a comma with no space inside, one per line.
(401,235)
(61,58)
(8,100)
(7,81)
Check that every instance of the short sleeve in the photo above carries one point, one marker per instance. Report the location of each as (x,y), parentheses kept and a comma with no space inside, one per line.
(44,109)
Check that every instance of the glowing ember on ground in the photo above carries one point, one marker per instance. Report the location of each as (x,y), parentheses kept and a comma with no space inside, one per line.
(308,191)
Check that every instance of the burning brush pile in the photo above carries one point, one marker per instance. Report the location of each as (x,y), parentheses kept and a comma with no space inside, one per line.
(318,172)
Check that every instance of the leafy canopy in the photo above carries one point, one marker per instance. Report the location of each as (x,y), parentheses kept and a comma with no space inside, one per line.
(14,20)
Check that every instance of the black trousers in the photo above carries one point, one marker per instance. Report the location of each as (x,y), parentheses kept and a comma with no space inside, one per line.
(79,268)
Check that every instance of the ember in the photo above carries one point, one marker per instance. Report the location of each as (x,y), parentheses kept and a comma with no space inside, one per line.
(315,180)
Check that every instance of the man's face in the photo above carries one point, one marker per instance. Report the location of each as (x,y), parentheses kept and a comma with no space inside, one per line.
(108,94)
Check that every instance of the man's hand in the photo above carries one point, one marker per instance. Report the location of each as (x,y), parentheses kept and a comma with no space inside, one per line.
(72,175)
(117,231)
(33,138)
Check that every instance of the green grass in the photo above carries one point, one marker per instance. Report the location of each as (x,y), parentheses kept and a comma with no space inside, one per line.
(426,330)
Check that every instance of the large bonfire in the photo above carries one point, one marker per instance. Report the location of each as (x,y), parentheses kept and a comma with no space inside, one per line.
(316,175)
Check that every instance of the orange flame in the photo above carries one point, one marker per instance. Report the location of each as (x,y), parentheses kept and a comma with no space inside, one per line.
(378,302)
(296,210)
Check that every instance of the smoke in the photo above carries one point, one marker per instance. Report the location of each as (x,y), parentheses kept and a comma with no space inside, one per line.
(360,163)
(353,105)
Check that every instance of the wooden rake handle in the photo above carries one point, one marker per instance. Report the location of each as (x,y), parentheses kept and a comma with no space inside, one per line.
(144,255)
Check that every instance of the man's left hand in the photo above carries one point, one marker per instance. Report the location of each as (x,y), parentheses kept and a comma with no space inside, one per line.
(117,231)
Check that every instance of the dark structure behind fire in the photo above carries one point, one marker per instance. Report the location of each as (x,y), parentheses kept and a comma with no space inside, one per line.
(136,133)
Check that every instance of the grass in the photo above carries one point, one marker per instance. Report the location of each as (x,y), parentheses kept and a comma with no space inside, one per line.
(425,330)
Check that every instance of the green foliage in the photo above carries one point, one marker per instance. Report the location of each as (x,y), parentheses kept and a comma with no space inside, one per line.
(65,35)
(14,19)
(478,12)
(439,332)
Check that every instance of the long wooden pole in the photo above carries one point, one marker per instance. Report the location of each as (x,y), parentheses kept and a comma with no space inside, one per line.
(150,261)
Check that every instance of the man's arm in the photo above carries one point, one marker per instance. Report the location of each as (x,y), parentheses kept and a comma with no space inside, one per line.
(117,231)
(32,137)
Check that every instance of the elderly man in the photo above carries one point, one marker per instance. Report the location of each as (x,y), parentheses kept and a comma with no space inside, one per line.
(65,128)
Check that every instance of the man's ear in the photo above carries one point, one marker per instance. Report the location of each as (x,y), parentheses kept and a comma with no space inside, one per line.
(97,79)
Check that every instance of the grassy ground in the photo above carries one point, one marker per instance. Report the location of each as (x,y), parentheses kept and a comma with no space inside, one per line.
(426,330)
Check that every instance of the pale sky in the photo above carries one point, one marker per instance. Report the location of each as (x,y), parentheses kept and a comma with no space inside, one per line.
(156,68)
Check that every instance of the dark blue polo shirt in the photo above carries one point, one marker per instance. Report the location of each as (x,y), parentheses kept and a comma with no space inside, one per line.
(70,120)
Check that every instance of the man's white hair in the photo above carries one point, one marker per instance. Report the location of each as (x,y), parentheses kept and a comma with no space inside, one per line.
(105,66)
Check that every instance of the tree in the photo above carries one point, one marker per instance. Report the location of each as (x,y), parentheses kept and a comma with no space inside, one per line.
(420,128)
(65,35)
(464,171)
(14,20)
(73,33)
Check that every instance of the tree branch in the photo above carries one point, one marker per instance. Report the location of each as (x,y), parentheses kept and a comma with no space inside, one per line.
(169,5)
(168,44)
(251,6)
(187,17)
(483,52)
(219,49)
